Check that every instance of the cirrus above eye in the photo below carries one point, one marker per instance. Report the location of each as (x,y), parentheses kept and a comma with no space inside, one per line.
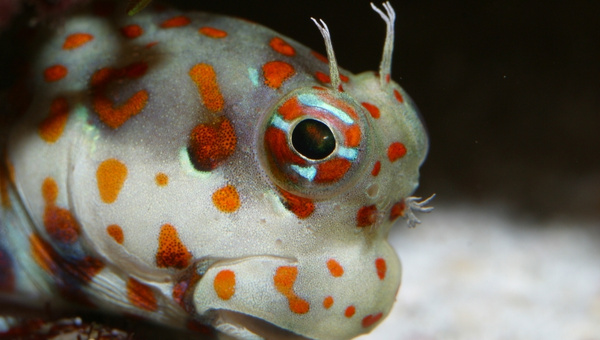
(313,139)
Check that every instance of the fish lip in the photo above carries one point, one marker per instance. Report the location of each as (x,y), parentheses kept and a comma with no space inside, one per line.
(254,325)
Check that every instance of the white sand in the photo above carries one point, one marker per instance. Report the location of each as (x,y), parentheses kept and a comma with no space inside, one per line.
(473,273)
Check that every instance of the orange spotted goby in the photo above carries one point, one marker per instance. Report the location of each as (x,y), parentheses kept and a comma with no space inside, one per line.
(186,183)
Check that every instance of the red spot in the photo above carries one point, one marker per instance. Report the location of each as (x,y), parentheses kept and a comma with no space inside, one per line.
(320,57)
(373,110)
(61,225)
(350,311)
(279,45)
(105,107)
(141,295)
(328,302)
(177,21)
(397,210)
(284,280)
(132,31)
(370,320)
(398,96)
(352,136)
(277,72)
(366,216)
(291,109)
(171,251)
(276,141)
(211,144)
(381,267)
(300,206)
(332,170)
(396,151)
(76,40)
(322,77)
(212,32)
(335,268)
(388,77)
(55,73)
(376,168)
(116,233)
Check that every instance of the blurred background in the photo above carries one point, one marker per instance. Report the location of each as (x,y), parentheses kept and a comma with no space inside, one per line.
(510,93)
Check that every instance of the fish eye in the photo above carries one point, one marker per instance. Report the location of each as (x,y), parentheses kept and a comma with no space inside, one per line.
(313,139)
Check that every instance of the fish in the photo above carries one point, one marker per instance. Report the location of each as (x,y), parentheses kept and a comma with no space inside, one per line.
(202,171)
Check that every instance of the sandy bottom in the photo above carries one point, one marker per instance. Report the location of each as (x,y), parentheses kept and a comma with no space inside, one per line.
(472,273)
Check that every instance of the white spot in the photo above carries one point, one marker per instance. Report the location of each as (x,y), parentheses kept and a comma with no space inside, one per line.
(309,172)
(253,75)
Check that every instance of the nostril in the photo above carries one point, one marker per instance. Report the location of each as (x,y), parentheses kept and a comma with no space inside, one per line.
(373,190)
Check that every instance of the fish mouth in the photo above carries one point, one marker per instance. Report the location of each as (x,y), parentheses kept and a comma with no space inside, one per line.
(242,326)
(276,297)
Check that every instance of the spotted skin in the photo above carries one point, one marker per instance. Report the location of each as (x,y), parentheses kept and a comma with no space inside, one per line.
(154,174)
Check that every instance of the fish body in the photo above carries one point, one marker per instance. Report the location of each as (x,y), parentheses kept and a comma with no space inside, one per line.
(191,168)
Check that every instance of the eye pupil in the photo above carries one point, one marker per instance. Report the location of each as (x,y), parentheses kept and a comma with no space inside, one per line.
(313,139)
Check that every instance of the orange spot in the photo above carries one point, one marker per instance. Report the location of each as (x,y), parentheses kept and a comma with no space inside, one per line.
(398,96)
(132,31)
(397,210)
(284,280)
(141,295)
(335,268)
(396,151)
(161,179)
(350,311)
(171,251)
(41,252)
(276,72)
(76,40)
(49,190)
(381,267)
(150,44)
(369,320)
(328,302)
(279,45)
(373,110)
(352,136)
(226,199)
(116,233)
(211,144)
(110,176)
(322,77)
(225,284)
(206,80)
(366,216)
(376,168)
(61,225)
(320,57)
(212,32)
(55,73)
(104,107)
(177,21)
(52,127)
(332,170)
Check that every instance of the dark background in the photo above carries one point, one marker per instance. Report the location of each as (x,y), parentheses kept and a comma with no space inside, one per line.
(509,90)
